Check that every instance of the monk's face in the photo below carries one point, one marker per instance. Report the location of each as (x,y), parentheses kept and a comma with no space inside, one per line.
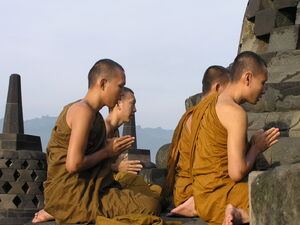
(257,87)
(114,88)
(127,106)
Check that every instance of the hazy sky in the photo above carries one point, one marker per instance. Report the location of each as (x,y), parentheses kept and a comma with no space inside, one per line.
(163,45)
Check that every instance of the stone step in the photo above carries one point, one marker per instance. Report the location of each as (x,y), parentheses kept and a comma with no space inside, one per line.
(288,122)
(287,151)
(275,196)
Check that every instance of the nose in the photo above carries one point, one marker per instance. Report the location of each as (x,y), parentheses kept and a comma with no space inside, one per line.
(265,88)
(134,109)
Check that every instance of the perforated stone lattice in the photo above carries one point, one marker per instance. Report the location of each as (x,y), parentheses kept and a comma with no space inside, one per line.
(21,183)
(271,25)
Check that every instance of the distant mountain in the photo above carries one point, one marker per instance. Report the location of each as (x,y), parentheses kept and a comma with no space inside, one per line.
(147,138)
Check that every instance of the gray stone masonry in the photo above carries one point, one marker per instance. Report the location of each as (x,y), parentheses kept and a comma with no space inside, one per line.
(284,38)
(275,196)
(22,164)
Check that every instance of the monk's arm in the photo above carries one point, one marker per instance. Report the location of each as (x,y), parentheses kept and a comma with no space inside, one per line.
(80,119)
(241,159)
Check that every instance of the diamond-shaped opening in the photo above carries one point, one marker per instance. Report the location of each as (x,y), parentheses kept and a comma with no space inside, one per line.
(40,164)
(1,173)
(16,175)
(8,163)
(35,201)
(17,201)
(25,187)
(286,17)
(24,165)
(265,38)
(33,175)
(6,187)
(41,187)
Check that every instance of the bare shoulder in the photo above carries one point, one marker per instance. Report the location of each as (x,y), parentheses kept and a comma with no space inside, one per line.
(230,113)
(79,112)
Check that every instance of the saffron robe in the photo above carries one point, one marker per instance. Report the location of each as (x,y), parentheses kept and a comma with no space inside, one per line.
(212,187)
(179,179)
(81,197)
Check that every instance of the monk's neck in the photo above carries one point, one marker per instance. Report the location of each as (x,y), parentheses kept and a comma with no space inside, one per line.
(235,92)
(113,121)
(93,100)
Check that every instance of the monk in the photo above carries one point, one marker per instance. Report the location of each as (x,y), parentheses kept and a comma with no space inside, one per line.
(221,156)
(179,176)
(118,115)
(80,187)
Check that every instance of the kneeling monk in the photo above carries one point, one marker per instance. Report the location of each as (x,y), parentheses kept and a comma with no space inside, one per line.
(80,184)
(221,155)
(179,179)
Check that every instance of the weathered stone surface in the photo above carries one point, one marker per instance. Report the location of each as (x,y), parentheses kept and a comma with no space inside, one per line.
(287,151)
(13,119)
(192,100)
(275,196)
(284,38)
(162,156)
(252,8)
(154,176)
(280,4)
(264,22)
(297,20)
(130,129)
(287,122)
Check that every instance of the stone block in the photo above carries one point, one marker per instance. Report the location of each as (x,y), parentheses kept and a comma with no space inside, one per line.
(287,151)
(154,176)
(284,38)
(8,175)
(7,201)
(39,175)
(252,7)
(20,142)
(297,20)
(139,154)
(161,158)
(264,22)
(280,4)
(192,100)
(287,122)
(252,43)
(279,97)
(275,196)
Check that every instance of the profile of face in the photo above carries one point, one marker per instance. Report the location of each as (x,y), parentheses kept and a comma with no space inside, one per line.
(126,106)
(114,87)
(257,86)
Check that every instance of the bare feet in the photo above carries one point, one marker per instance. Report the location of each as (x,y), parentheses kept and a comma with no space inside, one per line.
(42,216)
(234,216)
(186,209)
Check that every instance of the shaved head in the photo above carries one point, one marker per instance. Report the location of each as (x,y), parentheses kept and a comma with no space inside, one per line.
(126,90)
(212,75)
(104,68)
(247,61)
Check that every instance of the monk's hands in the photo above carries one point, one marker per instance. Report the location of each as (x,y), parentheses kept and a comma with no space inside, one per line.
(262,140)
(115,146)
(127,166)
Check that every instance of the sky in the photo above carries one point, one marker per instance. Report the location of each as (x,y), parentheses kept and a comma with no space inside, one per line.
(164,46)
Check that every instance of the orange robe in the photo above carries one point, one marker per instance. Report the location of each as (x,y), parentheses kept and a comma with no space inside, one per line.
(213,189)
(179,178)
(92,195)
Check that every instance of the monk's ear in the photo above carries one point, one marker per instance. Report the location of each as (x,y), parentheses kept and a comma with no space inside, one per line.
(218,86)
(102,82)
(248,77)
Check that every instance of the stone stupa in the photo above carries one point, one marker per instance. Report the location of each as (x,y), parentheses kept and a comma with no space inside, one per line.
(22,164)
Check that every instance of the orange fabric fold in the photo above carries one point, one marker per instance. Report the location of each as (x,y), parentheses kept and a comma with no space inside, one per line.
(212,187)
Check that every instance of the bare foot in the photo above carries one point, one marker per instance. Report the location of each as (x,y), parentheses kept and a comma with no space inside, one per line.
(186,209)
(234,216)
(42,216)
